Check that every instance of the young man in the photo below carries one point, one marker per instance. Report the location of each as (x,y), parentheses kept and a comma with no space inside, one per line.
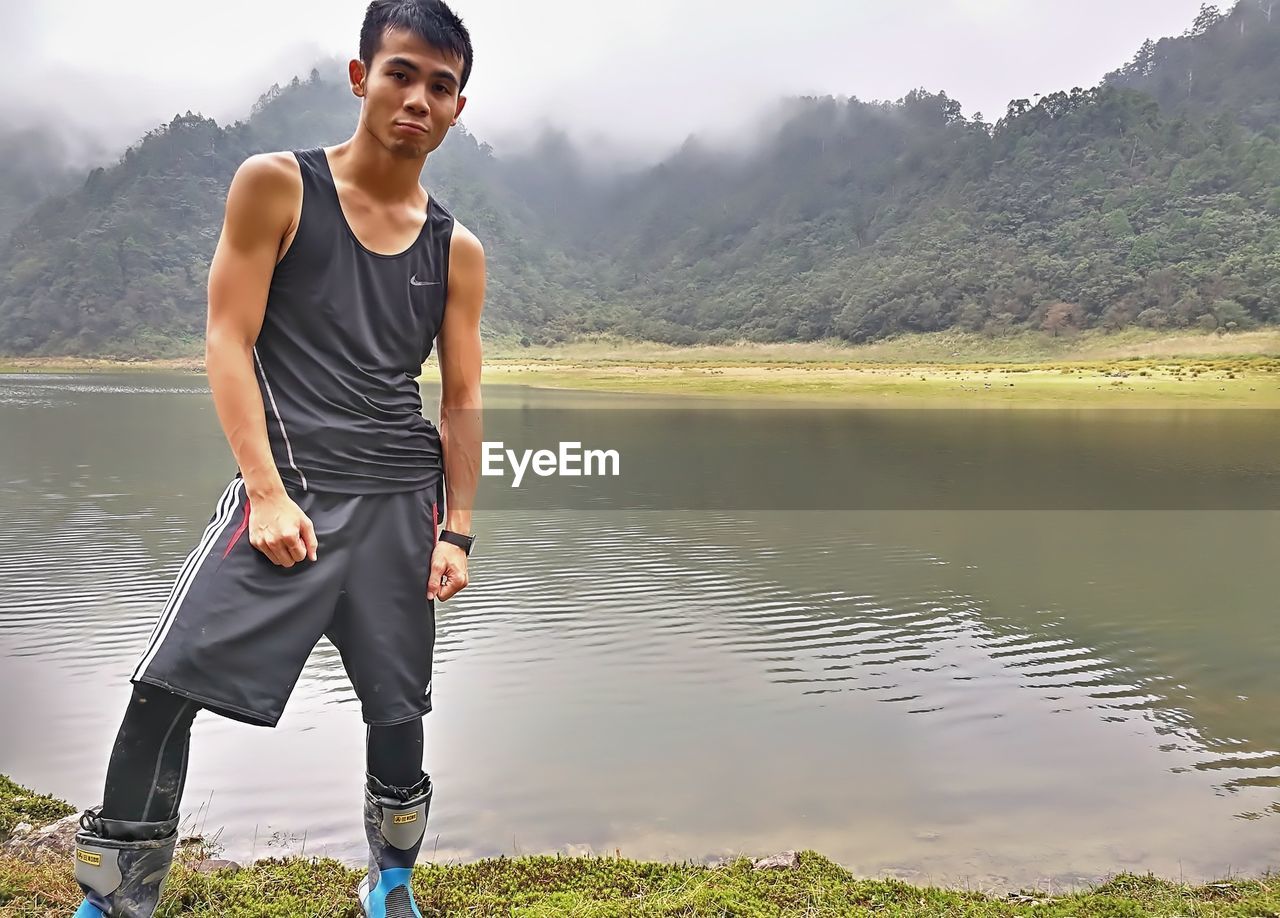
(350,513)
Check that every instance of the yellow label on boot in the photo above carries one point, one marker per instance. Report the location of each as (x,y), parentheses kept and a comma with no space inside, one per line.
(93,860)
(401,819)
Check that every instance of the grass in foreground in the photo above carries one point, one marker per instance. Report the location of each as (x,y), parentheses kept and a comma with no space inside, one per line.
(18,805)
(600,887)
(604,887)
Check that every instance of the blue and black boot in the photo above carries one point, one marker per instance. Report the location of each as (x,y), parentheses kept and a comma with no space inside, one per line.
(395,820)
(121,866)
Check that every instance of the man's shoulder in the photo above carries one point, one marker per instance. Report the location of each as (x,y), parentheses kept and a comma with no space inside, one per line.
(465,242)
(275,167)
(274,170)
(266,190)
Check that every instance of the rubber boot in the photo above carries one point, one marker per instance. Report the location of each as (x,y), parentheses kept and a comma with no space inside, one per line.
(122,866)
(395,820)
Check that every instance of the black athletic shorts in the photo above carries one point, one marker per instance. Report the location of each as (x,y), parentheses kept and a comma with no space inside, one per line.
(237,628)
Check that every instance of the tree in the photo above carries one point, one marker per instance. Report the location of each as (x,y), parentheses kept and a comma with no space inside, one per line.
(1208,17)
(1061,316)
(1155,317)
(1143,62)
(1230,314)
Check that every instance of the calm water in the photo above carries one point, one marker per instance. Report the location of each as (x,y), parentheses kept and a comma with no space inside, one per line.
(990,697)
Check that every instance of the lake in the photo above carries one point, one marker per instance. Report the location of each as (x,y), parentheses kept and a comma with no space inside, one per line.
(1060,662)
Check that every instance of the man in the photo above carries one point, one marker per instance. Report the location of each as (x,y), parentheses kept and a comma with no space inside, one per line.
(350,512)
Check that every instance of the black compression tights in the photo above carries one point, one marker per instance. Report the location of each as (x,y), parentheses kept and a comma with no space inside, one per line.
(148,766)
(149,760)
(394,754)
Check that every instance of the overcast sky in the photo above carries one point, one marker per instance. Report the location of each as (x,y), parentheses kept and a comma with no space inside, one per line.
(643,75)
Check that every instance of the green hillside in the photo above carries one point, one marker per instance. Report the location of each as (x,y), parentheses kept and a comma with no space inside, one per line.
(120,265)
(1227,63)
(1088,209)
(1151,200)
(855,220)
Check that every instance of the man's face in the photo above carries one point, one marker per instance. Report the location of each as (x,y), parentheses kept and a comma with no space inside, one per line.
(410,94)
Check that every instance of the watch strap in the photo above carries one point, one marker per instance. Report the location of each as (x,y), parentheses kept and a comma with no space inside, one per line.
(456,538)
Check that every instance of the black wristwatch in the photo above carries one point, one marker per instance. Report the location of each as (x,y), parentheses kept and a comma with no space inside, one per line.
(456,538)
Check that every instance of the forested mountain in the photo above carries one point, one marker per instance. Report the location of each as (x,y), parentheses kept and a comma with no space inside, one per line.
(120,265)
(1152,199)
(1222,62)
(857,220)
(861,220)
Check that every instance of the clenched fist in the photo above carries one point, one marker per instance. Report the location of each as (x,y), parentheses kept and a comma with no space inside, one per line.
(280,530)
(448,571)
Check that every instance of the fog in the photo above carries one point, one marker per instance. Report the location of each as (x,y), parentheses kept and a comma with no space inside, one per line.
(631,81)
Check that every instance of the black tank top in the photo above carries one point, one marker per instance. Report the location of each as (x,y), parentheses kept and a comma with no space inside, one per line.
(344,337)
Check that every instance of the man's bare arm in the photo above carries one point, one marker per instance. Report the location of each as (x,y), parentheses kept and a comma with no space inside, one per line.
(458,350)
(260,210)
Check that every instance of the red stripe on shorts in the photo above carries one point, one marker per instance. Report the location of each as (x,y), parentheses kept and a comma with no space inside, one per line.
(244,524)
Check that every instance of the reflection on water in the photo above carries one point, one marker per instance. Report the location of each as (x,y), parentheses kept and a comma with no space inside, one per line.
(997,698)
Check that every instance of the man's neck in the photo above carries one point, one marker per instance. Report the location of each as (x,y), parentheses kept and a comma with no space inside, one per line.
(380,174)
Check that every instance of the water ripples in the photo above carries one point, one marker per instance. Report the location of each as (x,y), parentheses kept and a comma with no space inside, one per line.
(820,619)
(81,587)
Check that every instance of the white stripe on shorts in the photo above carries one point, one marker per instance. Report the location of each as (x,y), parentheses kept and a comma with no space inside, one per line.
(227,505)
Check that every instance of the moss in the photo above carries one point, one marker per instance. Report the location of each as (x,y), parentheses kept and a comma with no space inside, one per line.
(599,887)
(603,887)
(19,804)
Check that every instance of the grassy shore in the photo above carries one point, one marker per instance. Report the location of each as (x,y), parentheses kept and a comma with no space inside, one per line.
(1128,369)
(598,887)
(1134,368)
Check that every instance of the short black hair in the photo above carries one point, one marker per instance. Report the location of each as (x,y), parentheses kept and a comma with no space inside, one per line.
(430,20)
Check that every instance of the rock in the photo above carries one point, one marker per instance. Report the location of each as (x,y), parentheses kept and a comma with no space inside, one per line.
(212,865)
(787,860)
(57,839)
(1024,899)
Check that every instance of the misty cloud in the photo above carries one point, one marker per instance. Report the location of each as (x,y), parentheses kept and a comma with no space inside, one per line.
(632,81)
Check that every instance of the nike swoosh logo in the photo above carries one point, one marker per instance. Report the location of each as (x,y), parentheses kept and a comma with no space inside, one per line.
(417,283)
